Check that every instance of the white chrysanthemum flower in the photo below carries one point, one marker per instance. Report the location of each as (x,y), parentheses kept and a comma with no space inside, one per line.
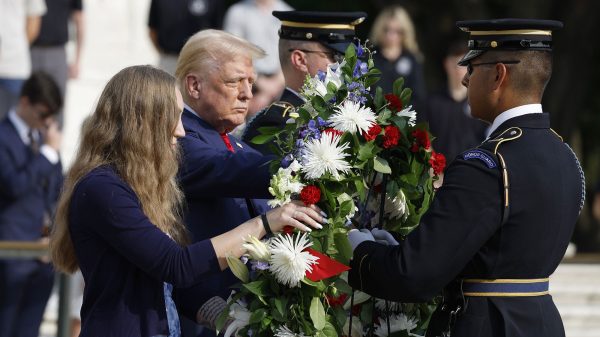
(411,114)
(284,331)
(397,323)
(285,183)
(391,306)
(257,249)
(352,117)
(395,207)
(324,155)
(289,263)
(241,318)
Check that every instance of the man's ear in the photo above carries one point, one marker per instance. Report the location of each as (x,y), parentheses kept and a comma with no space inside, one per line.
(501,76)
(193,86)
(298,60)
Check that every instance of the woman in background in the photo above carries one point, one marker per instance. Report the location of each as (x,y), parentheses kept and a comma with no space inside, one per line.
(118,218)
(398,54)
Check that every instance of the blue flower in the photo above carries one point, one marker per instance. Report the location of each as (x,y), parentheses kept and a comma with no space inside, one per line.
(322,123)
(321,75)
(360,69)
(360,51)
(259,265)
(287,160)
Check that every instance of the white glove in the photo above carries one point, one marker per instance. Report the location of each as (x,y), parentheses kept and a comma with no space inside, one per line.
(384,237)
(356,236)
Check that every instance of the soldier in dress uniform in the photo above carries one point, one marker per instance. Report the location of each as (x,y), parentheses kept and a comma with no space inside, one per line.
(500,224)
(308,42)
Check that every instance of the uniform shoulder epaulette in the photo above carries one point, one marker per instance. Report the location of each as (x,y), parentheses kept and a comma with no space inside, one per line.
(507,135)
(283,106)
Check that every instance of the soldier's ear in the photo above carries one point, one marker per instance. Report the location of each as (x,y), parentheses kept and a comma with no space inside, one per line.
(298,60)
(500,77)
(193,86)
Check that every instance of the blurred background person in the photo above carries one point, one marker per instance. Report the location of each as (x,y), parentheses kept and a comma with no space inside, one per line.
(253,20)
(172,22)
(448,111)
(30,181)
(19,27)
(48,52)
(397,52)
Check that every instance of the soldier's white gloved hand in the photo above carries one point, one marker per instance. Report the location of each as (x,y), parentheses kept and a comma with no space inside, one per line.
(356,236)
(384,237)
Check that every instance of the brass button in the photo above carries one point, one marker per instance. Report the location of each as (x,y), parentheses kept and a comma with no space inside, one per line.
(494,44)
(309,36)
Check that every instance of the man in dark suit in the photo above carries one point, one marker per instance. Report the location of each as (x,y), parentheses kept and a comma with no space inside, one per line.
(500,224)
(220,175)
(308,42)
(30,180)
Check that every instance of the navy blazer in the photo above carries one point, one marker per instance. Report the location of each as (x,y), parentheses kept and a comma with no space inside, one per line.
(216,182)
(125,259)
(29,185)
(468,233)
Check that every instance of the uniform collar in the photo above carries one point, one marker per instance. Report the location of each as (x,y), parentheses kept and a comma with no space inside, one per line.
(291,96)
(512,113)
(529,121)
(22,128)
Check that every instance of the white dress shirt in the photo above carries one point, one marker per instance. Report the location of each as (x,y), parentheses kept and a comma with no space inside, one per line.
(512,113)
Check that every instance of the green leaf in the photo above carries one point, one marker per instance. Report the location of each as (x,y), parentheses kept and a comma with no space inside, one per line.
(262,139)
(397,87)
(371,80)
(343,246)
(329,330)
(269,130)
(379,98)
(350,51)
(317,313)
(257,316)
(258,288)
(405,96)
(381,165)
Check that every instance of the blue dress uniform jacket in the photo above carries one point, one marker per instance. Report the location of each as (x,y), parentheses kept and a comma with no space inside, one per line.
(29,186)
(125,259)
(216,183)
(275,115)
(464,233)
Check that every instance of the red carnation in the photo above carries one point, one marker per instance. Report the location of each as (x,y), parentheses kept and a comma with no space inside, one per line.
(414,148)
(437,162)
(373,132)
(333,131)
(391,137)
(336,301)
(422,138)
(394,101)
(310,195)
(289,230)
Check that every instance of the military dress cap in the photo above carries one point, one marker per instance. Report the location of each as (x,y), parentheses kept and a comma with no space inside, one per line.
(507,34)
(333,29)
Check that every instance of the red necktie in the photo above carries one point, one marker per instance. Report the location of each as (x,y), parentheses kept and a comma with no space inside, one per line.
(227,142)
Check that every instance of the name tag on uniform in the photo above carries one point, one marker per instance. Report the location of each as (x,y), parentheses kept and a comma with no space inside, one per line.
(480,155)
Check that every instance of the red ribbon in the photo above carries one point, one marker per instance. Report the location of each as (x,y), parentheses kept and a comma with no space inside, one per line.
(325,267)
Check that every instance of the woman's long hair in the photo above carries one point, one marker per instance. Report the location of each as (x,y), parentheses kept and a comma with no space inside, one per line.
(400,15)
(131,130)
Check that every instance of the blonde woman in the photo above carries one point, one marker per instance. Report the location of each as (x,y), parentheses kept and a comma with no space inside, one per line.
(118,216)
(398,54)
